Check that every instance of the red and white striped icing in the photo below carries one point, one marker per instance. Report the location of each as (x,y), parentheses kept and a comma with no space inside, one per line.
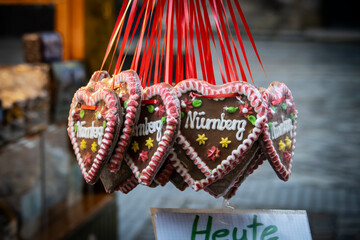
(133,105)
(172,106)
(84,96)
(230,162)
(269,95)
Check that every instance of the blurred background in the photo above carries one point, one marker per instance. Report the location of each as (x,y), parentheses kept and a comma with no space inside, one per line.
(311,45)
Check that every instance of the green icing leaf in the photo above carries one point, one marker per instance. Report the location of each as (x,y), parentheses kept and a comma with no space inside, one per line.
(182,114)
(104,124)
(197,103)
(163,120)
(151,108)
(125,104)
(283,106)
(75,126)
(274,109)
(292,117)
(252,119)
(270,126)
(231,109)
(82,113)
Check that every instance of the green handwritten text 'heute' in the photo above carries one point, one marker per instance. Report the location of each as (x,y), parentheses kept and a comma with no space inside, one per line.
(259,231)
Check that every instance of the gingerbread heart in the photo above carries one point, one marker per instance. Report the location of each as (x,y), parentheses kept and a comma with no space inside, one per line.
(259,158)
(93,127)
(219,126)
(128,88)
(280,131)
(222,186)
(155,132)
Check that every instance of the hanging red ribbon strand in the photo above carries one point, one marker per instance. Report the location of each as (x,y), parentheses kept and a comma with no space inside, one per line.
(153,57)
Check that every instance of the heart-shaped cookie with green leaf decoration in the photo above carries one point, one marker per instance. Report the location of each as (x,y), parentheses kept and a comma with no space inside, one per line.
(94,123)
(219,126)
(154,133)
(280,131)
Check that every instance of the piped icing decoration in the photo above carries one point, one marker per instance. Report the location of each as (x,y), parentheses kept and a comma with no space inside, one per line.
(197,103)
(280,133)
(90,135)
(231,109)
(202,164)
(150,108)
(94,147)
(87,159)
(149,143)
(245,110)
(186,105)
(225,142)
(128,88)
(213,153)
(160,110)
(155,132)
(135,146)
(143,156)
(201,139)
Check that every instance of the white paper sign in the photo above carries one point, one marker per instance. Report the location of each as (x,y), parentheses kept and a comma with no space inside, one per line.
(202,224)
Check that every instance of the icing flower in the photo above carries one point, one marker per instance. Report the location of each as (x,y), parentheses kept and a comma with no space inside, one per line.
(87,159)
(83,144)
(281,146)
(213,153)
(143,156)
(225,142)
(160,110)
(149,143)
(287,157)
(288,142)
(186,105)
(245,110)
(201,139)
(135,146)
(93,147)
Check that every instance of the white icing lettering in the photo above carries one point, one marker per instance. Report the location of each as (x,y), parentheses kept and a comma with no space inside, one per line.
(146,128)
(89,132)
(193,121)
(281,129)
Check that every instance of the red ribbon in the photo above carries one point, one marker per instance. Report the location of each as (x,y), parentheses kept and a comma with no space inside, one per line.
(277,101)
(87,107)
(151,101)
(221,95)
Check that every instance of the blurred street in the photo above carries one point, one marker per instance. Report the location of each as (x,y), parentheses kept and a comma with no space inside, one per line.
(324,79)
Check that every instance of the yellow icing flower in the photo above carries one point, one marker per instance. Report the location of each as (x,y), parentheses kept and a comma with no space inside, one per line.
(201,139)
(288,142)
(225,142)
(281,146)
(83,144)
(93,147)
(149,143)
(135,146)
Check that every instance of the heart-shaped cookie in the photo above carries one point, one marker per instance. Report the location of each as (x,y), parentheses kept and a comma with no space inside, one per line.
(259,158)
(155,132)
(280,130)
(128,88)
(93,127)
(222,186)
(219,125)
